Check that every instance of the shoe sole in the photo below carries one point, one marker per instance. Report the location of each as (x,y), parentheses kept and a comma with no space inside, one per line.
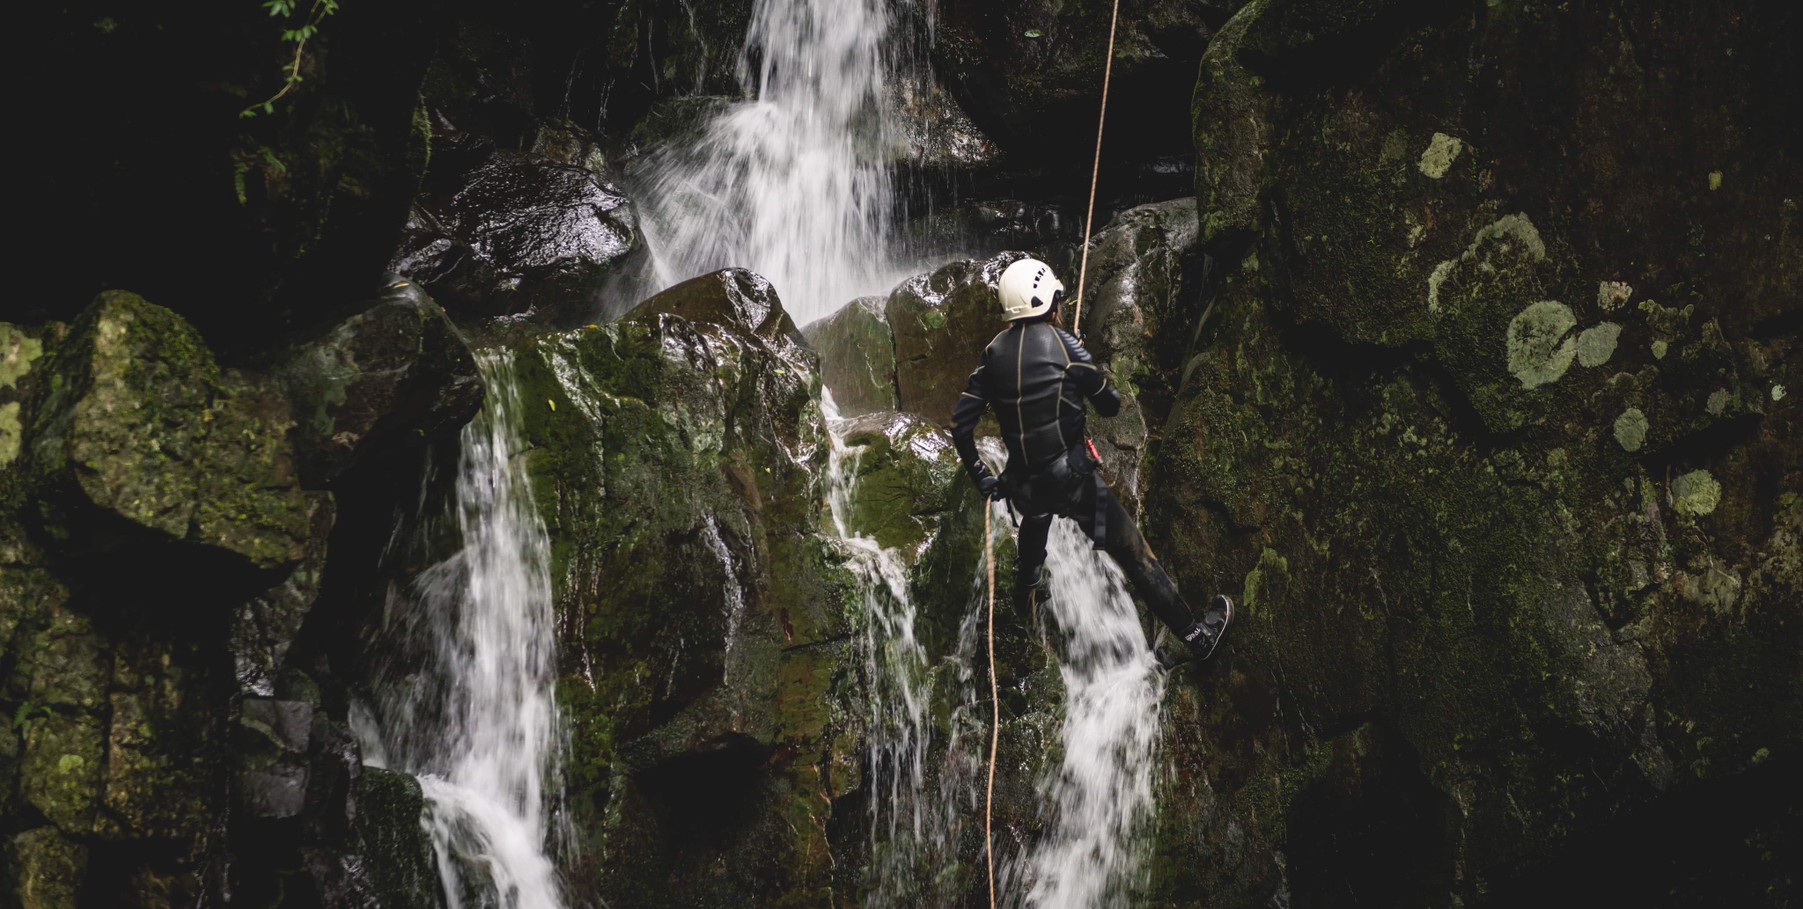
(1226,621)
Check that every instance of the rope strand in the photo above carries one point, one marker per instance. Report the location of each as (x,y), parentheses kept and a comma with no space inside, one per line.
(1095,175)
(995,702)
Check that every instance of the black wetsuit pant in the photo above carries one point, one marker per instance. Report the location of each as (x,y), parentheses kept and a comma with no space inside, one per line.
(1084,497)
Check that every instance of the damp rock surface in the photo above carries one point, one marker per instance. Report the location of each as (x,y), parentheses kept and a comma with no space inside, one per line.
(1465,436)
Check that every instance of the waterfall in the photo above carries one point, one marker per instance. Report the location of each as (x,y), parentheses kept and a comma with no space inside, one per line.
(793,183)
(916,812)
(472,712)
(1098,801)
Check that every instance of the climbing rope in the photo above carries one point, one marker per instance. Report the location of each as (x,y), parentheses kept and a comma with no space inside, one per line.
(1095,175)
(995,702)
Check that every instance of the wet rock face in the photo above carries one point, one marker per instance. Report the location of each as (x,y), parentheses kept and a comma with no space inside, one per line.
(905,471)
(520,232)
(384,378)
(677,457)
(857,356)
(1492,466)
(734,299)
(941,323)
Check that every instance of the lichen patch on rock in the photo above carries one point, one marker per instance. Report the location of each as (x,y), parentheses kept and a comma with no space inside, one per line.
(1610,295)
(17,351)
(1696,493)
(1630,429)
(1596,344)
(1440,153)
(1540,348)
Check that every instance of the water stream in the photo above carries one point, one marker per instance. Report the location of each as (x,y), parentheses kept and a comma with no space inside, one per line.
(793,183)
(474,715)
(1097,801)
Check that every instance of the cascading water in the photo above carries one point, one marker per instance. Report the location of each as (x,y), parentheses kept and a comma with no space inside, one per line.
(793,183)
(900,687)
(474,714)
(1100,797)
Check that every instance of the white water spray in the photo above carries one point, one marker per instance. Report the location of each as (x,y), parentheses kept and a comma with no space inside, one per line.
(478,724)
(1098,801)
(794,183)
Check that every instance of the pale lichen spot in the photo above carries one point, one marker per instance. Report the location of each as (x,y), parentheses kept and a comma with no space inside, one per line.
(1777,393)
(1659,348)
(17,351)
(1610,295)
(11,433)
(1596,344)
(1715,179)
(1718,401)
(1441,151)
(1434,280)
(1514,228)
(1696,493)
(1540,346)
(1514,234)
(1630,429)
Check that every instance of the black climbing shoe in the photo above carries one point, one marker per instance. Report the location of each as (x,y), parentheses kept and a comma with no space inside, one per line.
(1030,595)
(1203,637)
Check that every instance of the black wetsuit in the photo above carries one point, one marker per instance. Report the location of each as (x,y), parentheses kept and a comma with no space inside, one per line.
(1037,377)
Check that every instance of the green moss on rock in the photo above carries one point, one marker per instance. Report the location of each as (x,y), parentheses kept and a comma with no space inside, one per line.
(139,424)
(60,771)
(44,870)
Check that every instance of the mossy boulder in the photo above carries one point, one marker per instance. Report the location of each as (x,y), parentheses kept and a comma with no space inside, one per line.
(941,322)
(677,456)
(141,436)
(395,848)
(904,470)
(857,356)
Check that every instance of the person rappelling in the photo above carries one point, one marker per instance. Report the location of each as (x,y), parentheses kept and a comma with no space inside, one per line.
(1037,377)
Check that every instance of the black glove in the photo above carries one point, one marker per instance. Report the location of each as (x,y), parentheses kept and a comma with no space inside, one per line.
(990,487)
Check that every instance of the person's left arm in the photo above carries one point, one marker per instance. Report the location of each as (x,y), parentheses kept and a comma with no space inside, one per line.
(1091,380)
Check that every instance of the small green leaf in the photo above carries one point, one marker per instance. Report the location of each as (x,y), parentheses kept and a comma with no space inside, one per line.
(1035,33)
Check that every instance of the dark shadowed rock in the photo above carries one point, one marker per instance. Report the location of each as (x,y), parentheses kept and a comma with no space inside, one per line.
(1030,74)
(857,356)
(393,376)
(266,625)
(942,321)
(520,233)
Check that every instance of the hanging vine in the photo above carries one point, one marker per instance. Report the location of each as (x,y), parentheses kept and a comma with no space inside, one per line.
(299,36)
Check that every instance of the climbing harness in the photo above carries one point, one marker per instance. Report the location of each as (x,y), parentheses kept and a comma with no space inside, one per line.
(995,702)
(1095,175)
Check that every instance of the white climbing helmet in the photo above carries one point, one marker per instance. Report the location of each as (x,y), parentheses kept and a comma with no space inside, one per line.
(1028,289)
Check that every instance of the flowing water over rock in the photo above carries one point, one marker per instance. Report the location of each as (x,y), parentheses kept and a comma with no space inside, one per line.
(793,183)
(476,719)
(1097,802)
